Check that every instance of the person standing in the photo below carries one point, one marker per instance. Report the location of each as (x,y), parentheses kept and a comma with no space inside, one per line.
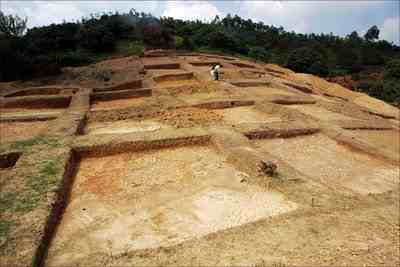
(215,72)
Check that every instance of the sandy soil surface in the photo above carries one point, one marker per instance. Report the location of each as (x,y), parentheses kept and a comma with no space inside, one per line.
(386,139)
(319,112)
(377,106)
(340,165)
(13,131)
(245,115)
(157,198)
(118,103)
(124,126)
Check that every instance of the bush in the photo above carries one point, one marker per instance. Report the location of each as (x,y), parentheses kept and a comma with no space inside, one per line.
(74,58)
(392,70)
(220,40)
(371,56)
(258,53)
(307,60)
(18,64)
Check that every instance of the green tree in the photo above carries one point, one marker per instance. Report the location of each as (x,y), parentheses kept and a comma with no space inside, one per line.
(372,34)
(12,25)
(307,60)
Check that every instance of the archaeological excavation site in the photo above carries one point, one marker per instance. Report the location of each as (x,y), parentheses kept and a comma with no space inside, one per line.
(148,161)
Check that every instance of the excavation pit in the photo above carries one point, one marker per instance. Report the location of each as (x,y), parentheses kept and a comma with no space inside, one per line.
(319,113)
(246,114)
(124,126)
(98,105)
(177,83)
(14,131)
(43,91)
(34,105)
(175,76)
(154,198)
(342,168)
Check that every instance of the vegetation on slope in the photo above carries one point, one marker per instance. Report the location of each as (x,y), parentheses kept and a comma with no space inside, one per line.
(44,50)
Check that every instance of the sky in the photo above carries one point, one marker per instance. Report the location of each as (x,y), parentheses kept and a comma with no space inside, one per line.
(338,17)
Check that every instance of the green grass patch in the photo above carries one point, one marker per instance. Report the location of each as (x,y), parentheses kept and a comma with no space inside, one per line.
(5,227)
(23,144)
(7,201)
(36,188)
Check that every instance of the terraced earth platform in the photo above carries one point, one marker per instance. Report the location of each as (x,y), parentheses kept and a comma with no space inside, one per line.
(161,166)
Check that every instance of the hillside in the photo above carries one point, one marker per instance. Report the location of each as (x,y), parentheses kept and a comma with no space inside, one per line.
(146,161)
(43,51)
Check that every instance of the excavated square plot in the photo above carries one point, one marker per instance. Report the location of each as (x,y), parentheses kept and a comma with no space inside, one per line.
(319,113)
(156,198)
(178,83)
(124,126)
(118,103)
(14,131)
(335,165)
(246,114)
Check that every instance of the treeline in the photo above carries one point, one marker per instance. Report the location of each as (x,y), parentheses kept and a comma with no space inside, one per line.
(44,50)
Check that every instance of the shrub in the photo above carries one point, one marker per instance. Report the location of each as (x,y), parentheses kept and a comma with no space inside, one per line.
(392,69)
(259,53)
(74,58)
(307,60)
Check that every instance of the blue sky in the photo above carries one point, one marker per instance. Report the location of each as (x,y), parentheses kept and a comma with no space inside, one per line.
(338,17)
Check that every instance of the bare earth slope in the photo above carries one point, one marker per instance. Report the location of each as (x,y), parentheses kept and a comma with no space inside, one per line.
(148,162)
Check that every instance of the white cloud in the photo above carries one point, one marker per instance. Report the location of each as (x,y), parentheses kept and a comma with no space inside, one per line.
(46,12)
(191,10)
(390,30)
(303,16)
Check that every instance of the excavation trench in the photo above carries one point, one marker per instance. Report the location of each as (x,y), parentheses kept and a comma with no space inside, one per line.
(158,197)
(14,131)
(98,105)
(33,105)
(182,118)
(43,91)
(342,168)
